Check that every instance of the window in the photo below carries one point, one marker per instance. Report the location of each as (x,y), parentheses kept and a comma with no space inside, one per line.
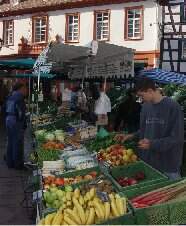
(72,27)
(184,49)
(134,23)
(8,32)
(40,29)
(185,10)
(102,26)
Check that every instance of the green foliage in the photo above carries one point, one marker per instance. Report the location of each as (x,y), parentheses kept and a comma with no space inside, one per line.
(117,96)
(170,89)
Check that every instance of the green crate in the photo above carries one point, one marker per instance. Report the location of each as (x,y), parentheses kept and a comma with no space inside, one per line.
(168,213)
(127,219)
(82,172)
(142,190)
(151,175)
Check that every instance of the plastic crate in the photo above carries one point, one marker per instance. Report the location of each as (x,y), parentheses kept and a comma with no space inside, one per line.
(167,213)
(83,172)
(151,175)
(127,219)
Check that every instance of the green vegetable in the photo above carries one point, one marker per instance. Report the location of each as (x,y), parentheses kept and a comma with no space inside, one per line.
(68,188)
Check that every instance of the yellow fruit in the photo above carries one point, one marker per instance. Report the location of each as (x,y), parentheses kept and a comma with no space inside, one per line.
(81,200)
(120,206)
(124,202)
(107,210)
(91,217)
(41,222)
(87,214)
(77,193)
(114,208)
(74,216)
(111,196)
(88,196)
(99,211)
(69,203)
(92,193)
(49,218)
(68,220)
(57,215)
(58,220)
(80,210)
(68,196)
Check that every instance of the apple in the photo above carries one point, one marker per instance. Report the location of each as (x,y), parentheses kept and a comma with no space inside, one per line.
(132,181)
(129,152)
(134,158)
(140,176)
(126,158)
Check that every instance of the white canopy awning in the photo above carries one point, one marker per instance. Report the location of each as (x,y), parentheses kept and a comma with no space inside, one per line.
(110,60)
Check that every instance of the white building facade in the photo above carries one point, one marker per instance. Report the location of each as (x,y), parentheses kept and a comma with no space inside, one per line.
(26,28)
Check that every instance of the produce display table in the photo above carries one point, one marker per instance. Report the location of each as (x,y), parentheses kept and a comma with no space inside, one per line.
(97,177)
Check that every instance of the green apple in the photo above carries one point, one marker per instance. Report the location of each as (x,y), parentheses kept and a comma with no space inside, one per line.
(60,194)
(56,204)
(53,189)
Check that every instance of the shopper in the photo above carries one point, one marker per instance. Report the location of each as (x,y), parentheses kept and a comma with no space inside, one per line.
(161,133)
(128,114)
(15,125)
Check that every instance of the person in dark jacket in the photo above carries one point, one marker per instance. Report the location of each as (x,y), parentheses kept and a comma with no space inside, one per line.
(15,125)
(128,114)
(161,133)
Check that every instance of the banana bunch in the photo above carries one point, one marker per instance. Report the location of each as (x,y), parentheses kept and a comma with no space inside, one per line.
(87,210)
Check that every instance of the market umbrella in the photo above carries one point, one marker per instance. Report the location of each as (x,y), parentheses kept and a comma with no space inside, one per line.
(164,77)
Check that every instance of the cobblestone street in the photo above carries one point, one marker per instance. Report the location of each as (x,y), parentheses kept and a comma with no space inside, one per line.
(11,191)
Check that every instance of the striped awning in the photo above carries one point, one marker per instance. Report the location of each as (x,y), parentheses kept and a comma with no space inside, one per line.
(164,77)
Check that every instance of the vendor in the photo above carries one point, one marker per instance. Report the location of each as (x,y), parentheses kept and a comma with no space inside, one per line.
(128,115)
(161,133)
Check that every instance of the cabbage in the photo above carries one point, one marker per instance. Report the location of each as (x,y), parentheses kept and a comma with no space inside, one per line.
(50,136)
(60,138)
(58,132)
(40,132)
(59,135)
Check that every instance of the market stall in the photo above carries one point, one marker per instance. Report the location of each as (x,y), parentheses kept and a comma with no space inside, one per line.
(85,176)
(100,181)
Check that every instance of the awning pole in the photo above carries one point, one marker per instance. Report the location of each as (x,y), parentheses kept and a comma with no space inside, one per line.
(29,92)
(38,82)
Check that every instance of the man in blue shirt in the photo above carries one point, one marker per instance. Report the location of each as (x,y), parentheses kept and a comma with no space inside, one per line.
(161,133)
(15,125)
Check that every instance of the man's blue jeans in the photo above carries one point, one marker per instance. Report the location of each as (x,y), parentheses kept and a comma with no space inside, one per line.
(15,135)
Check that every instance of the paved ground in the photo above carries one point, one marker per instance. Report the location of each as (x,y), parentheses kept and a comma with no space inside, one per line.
(11,191)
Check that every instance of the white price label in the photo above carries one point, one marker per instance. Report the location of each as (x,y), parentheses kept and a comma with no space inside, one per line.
(37,195)
(40,97)
(33,98)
